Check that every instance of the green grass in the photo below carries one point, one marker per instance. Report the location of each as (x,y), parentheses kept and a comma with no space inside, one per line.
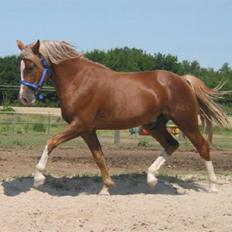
(34,139)
(28,131)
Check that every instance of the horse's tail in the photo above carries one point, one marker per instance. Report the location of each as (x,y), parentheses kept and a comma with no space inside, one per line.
(210,111)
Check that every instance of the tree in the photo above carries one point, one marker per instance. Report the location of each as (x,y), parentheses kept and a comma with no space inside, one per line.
(122,59)
(225,69)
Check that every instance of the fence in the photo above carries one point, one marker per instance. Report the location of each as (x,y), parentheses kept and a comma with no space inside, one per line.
(23,128)
(12,122)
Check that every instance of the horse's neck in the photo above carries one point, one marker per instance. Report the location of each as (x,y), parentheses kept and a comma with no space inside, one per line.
(66,77)
(69,75)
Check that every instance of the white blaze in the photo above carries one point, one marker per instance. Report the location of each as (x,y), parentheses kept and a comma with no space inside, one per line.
(22,67)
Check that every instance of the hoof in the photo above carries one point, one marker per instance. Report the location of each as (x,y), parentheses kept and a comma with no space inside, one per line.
(39,180)
(104,191)
(213,188)
(151,180)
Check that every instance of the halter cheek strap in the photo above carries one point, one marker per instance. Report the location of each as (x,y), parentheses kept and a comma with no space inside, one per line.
(37,87)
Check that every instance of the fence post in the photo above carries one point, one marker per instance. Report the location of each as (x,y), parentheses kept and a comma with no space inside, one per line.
(13,122)
(117,137)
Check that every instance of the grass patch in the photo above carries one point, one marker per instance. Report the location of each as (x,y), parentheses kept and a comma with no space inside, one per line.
(39,127)
(34,130)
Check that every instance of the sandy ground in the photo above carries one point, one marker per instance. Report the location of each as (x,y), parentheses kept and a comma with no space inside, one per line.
(180,202)
(37,110)
(73,205)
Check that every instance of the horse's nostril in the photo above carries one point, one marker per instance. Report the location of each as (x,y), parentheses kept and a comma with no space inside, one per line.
(25,100)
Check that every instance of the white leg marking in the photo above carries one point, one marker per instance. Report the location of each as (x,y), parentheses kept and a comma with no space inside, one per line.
(43,160)
(212,177)
(39,178)
(154,168)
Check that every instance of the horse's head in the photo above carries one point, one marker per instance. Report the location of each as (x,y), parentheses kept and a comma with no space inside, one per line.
(33,72)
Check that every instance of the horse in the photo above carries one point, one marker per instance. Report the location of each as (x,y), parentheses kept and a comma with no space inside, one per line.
(94,97)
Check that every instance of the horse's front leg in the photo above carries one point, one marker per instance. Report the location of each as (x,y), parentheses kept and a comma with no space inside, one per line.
(95,148)
(70,132)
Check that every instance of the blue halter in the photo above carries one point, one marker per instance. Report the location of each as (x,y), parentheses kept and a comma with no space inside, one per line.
(37,87)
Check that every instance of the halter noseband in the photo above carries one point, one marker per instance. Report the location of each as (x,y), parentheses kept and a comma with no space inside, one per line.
(37,87)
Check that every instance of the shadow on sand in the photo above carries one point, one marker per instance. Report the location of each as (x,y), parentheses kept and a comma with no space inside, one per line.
(125,184)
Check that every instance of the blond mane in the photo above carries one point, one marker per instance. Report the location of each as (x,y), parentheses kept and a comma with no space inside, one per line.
(58,51)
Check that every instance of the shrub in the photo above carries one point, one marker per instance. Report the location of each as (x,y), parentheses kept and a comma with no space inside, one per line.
(143,143)
(26,128)
(5,128)
(19,131)
(39,127)
(6,108)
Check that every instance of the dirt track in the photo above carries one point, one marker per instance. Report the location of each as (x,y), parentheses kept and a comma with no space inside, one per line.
(71,161)
(178,203)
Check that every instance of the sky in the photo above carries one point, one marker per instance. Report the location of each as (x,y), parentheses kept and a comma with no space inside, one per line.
(189,29)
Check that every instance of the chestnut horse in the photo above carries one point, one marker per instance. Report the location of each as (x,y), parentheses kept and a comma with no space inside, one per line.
(94,97)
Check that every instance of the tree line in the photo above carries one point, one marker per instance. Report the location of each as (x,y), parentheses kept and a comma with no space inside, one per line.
(120,59)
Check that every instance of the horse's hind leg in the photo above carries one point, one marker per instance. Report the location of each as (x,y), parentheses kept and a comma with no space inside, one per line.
(203,148)
(191,130)
(159,132)
(95,148)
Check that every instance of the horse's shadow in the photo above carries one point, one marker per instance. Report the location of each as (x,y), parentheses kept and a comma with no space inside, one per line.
(126,184)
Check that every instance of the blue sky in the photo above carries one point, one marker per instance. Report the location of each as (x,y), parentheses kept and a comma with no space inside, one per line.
(190,29)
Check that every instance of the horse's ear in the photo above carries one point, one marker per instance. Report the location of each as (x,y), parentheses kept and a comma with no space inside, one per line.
(35,47)
(20,44)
